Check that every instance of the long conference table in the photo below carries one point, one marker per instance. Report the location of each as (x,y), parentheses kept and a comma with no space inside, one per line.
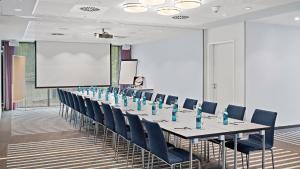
(185,125)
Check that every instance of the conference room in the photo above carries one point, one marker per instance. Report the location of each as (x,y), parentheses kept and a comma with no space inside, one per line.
(154,84)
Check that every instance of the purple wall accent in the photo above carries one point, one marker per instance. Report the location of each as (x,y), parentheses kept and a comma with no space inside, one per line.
(8,68)
(126,54)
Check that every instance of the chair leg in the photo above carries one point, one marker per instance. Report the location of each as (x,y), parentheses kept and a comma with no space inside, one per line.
(152,159)
(213,148)
(273,164)
(172,166)
(132,155)
(128,147)
(117,147)
(143,158)
(248,158)
(95,132)
(149,156)
(242,160)
(105,135)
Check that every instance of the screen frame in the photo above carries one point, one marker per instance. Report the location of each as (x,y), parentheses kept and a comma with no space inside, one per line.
(49,87)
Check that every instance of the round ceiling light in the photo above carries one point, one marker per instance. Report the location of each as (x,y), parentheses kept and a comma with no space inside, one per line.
(187,4)
(168,10)
(152,2)
(134,7)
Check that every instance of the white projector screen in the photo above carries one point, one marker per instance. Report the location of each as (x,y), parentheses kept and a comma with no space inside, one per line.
(64,64)
(128,71)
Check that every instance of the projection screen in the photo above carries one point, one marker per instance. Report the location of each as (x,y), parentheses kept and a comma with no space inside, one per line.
(65,64)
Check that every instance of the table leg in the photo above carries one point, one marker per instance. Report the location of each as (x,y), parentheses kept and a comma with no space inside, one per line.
(191,153)
(222,138)
(235,150)
(263,148)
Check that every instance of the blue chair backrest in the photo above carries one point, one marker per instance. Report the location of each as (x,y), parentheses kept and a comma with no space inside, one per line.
(65,98)
(108,116)
(138,94)
(99,117)
(157,143)
(171,99)
(89,108)
(236,112)
(59,94)
(209,107)
(76,103)
(129,92)
(162,96)
(267,118)
(71,102)
(148,96)
(82,106)
(136,130)
(110,89)
(189,103)
(120,124)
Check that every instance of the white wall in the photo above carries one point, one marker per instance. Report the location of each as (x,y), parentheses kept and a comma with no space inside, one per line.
(173,66)
(234,32)
(273,70)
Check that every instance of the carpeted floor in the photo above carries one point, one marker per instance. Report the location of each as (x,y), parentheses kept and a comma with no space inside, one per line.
(40,138)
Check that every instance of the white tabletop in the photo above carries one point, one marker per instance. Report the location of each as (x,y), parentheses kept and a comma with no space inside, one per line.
(185,125)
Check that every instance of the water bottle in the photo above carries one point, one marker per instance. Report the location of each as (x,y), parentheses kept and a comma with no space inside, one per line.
(160,103)
(99,94)
(153,108)
(174,111)
(78,89)
(94,92)
(125,102)
(107,95)
(139,105)
(144,99)
(134,98)
(225,117)
(123,95)
(116,98)
(199,118)
(87,91)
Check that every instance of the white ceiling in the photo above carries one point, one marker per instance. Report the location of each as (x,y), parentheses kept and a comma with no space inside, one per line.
(63,16)
(287,19)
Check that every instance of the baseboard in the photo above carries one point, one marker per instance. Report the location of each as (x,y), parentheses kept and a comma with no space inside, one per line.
(288,126)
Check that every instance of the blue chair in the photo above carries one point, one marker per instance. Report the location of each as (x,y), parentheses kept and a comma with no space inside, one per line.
(60,100)
(110,89)
(148,96)
(162,96)
(120,128)
(72,105)
(90,113)
(83,110)
(209,107)
(108,121)
(99,117)
(254,141)
(138,94)
(66,101)
(138,136)
(129,92)
(158,147)
(76,109)
(189,103)
(234,112)
(171,99)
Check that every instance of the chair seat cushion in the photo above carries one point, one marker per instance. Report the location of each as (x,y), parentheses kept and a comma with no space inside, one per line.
(248,145)
(177,155)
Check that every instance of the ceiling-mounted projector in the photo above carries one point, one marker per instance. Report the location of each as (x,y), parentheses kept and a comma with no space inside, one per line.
(104,35)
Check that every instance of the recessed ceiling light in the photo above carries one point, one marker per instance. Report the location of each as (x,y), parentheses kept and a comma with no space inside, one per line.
(168,10)
(297,18)
(248,8)
(187,4)
(134,7)
(18,9)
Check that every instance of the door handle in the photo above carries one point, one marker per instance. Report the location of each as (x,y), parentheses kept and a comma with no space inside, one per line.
(214,85)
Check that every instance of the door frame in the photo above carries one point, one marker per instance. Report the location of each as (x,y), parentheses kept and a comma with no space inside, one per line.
(210,71)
